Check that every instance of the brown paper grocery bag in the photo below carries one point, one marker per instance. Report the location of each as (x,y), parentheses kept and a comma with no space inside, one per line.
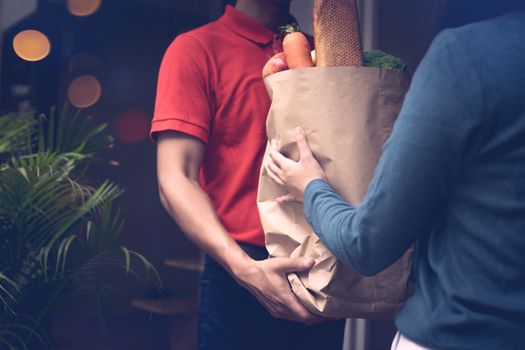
(347,114)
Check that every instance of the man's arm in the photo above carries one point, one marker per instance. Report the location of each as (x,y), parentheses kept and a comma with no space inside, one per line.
(179,158)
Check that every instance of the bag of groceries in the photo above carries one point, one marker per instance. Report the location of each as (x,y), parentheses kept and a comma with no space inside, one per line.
(347,110)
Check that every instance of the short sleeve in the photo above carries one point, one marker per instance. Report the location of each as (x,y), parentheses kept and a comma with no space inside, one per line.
(184,94)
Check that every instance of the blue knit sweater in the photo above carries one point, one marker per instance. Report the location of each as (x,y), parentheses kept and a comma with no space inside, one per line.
(452,180)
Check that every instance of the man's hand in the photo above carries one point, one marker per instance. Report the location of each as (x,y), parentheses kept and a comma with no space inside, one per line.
(179,160)
(266,280)
(295,176)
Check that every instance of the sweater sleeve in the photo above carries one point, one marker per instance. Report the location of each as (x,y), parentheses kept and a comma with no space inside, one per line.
(438,124)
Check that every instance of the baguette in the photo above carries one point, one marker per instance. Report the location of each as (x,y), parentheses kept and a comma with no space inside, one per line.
(336,33)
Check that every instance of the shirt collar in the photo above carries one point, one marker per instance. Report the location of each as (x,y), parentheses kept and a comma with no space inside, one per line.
(246,27)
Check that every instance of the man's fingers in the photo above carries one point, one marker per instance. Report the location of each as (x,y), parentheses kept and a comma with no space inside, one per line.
(316,319)
(302,143)
(279,308)
(301,313)
(275,309)
(286,265)
(297,308)
(290,308)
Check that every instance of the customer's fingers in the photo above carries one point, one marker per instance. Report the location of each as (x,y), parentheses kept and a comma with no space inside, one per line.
(302,143)
(280,160)
(274,167)
(269,166)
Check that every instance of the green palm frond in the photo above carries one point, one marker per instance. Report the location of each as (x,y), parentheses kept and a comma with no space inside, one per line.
(17,134)
(58,164)
(71,134)
(58,231)
(39,202)
(105,232)
(101,238)
(60,133)
(7,286)
(19,333)
(129,261)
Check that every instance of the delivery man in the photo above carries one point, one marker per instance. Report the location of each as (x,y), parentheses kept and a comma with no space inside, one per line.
(210,114)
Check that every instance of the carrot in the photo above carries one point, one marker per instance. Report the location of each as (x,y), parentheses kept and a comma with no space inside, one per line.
(275,64)
(297,50)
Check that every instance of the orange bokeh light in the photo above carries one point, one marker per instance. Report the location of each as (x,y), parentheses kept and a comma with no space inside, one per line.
(83,8)
(132,126)
(84,91)
(31,45)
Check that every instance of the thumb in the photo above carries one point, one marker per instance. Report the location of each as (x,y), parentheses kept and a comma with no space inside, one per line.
(302,143)
(286,265)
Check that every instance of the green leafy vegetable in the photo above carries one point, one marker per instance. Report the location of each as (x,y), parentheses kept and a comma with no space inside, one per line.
(380,59)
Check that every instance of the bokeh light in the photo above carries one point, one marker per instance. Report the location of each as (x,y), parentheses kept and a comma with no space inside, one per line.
(83,8)
(31,45)
(84,91)
(132,126)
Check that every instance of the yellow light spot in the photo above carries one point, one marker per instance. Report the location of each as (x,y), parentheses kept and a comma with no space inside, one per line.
(83,8)
(84,91)
(31,45)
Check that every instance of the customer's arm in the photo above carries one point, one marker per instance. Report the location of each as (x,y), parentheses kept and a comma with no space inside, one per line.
(178,164)
(439,122)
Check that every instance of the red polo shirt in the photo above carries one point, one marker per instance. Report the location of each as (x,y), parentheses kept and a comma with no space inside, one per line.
(210,87)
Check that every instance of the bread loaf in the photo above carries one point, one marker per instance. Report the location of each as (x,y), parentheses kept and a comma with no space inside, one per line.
(336,33)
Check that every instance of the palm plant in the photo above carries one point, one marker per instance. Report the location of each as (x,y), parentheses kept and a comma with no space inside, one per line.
(58,231)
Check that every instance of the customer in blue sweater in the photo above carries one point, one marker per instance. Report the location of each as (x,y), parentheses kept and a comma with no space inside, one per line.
(452,180)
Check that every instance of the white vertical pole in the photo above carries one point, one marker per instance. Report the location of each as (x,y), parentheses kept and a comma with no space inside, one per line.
(348,335)
(355,334)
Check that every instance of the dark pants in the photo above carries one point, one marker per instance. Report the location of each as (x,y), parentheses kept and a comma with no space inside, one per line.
(231,318)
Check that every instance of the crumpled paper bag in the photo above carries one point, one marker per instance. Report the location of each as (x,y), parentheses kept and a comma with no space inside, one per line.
(347,114)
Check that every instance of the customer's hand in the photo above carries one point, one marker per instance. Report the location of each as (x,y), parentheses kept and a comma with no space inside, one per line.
(295,176)
(267,281)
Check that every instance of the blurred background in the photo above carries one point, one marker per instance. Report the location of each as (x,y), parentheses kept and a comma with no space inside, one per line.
(102,56)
